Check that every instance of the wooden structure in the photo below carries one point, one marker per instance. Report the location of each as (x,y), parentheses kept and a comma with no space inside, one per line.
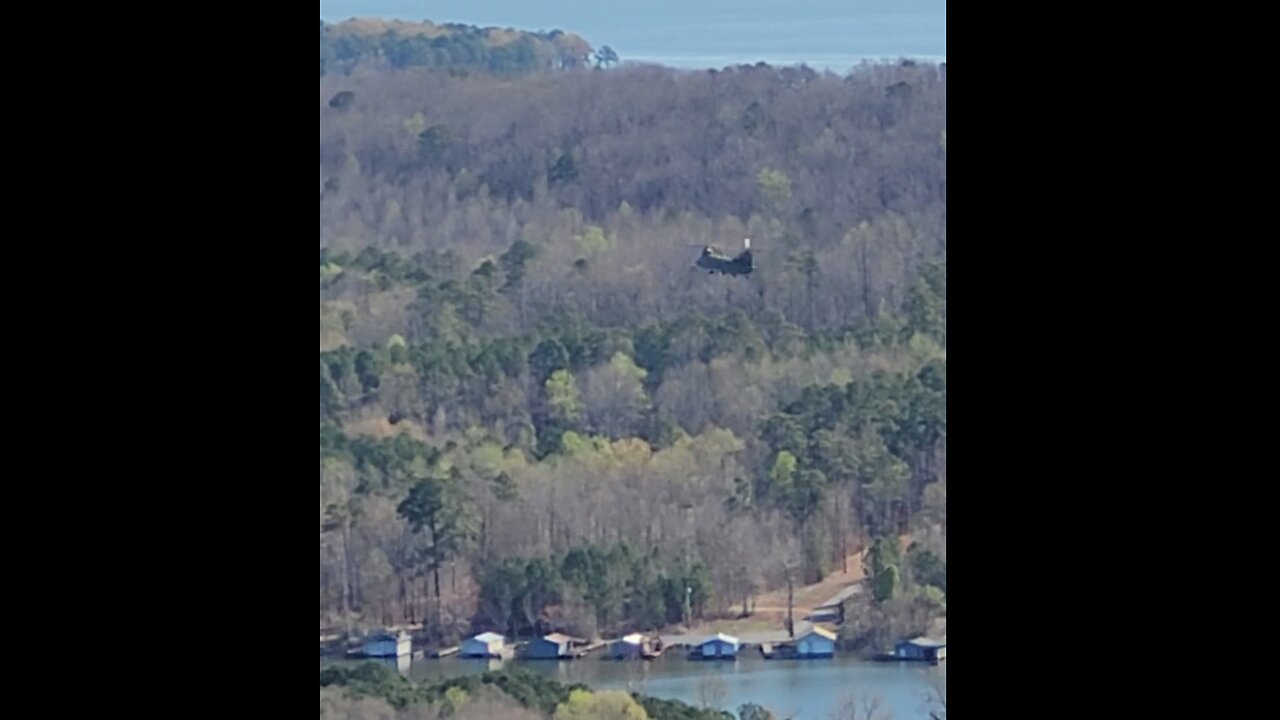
(778,651)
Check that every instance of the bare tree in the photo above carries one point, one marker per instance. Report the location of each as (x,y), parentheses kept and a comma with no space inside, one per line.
(428,180)
(712,692)
(936,696)
(854,705)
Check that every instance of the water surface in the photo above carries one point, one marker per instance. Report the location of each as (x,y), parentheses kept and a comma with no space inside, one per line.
(801,689)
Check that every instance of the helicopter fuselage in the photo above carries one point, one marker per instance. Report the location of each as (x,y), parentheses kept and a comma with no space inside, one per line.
(715,262)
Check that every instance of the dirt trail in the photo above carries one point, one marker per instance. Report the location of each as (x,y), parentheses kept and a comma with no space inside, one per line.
(809,597)
(770,613)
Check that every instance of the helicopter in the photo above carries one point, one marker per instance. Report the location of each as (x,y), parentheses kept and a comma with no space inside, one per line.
(714,261)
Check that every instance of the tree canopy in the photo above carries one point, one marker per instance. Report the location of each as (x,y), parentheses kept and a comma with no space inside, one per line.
(536,416)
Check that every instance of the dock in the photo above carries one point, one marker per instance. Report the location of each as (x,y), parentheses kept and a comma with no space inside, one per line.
(891,657)
(506,653)
(587,650)
(331,644)
(778,651)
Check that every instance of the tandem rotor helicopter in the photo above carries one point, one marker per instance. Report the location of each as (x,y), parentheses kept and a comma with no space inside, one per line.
(714,261)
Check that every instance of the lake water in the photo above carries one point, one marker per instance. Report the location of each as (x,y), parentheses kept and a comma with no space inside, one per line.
(800,689)
(825,34)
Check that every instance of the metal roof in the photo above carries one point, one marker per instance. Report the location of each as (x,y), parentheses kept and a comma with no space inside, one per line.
(722,638)
(838,599)
(926,642)
(822,632)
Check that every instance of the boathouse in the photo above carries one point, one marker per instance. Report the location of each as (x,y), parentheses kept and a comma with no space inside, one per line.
(817,643)
(484,645)
(720,646)
(922,649)
(636,646)
(551,647)
(388,645)
(629,647)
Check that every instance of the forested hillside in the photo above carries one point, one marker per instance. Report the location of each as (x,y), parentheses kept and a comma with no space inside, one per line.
(358,44)
(535,414)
